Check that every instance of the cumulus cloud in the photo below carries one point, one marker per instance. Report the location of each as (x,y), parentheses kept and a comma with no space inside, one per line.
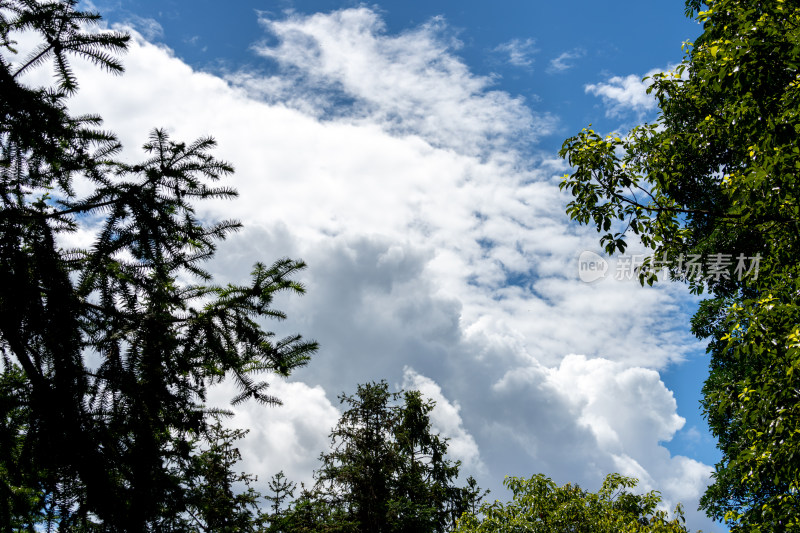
(625,94)
(519,51)
(289,437)
(627,411)
(435,239)
(620,405)
(446,421)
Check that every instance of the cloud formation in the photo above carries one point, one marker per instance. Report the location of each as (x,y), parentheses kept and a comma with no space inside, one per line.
(614,417)
(519,51)
(625,94)
(436,241)
(289,437)
(344,65)
(562,62)
(149,28)
(446,421)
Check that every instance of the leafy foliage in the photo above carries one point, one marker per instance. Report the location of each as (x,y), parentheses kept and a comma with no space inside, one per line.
(107,351)
(715,179)
(539,505)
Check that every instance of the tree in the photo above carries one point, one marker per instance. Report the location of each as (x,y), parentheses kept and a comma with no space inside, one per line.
(386,470)
(212,503)
(107,351)
(714,183)
(312,512)
(282,489)
(539,505)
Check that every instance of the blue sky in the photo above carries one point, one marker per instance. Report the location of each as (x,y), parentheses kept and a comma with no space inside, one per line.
(408,152)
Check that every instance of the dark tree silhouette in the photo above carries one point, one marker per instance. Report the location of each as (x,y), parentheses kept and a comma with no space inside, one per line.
(107,351)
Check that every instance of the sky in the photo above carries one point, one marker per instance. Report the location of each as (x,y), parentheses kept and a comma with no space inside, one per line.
(408,152)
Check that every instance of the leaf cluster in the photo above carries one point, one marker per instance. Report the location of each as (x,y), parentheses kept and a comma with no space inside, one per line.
(539,505)
(718,174)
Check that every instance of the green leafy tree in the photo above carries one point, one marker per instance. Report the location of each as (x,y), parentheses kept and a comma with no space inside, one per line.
(539,505)
(107,352)
(715,182)
(386,470)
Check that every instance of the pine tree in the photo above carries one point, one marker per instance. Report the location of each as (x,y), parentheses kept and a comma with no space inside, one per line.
(214,501)
(386,470)
(106,355)
(281,490)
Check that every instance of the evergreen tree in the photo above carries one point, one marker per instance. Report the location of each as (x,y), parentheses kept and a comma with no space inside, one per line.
(386,471)
(107,352)
(282,489)
(213,500)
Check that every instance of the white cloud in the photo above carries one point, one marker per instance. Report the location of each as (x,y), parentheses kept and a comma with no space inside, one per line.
(693,434)
(409,83)
(520,51)
(626,94)
(562,62)
(435,241)
(602,388)
(148,27)
(289,437)
(627,410)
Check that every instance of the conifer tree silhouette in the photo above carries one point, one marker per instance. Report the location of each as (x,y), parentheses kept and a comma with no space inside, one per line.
(107,352)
